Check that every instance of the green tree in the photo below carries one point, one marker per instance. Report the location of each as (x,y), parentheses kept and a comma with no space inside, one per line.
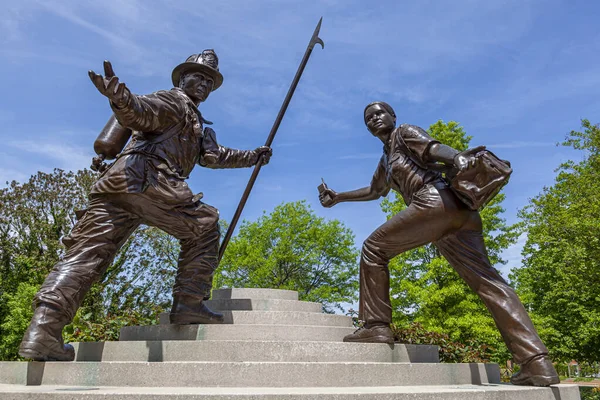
(140,278)
(424,287)
(14,323)
(33,217)
(292,248)
(560,278)
(134,290)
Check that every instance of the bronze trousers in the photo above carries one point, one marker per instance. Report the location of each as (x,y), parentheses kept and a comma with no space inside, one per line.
(437,215)
(107,223)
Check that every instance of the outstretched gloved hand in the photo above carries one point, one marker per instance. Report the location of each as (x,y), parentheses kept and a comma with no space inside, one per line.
(110,86)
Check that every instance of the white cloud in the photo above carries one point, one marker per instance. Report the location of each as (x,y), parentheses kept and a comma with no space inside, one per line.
(520,96)
(63,155)
(520,144)
(428,36)
(125,25)
(263,41)
(77,60)
(9,175)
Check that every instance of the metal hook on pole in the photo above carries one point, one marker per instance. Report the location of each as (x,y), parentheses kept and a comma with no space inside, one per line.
(314,40)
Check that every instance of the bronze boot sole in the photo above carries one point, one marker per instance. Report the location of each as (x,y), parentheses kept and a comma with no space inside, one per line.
(372,339)
(40,352)
(536,380)
(371,335)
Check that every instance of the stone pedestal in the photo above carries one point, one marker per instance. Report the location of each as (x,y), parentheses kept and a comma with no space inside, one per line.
(272,346)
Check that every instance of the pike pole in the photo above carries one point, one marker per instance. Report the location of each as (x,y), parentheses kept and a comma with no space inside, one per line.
(314,40)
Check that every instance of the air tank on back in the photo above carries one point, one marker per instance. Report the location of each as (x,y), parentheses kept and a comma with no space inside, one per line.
(110,142)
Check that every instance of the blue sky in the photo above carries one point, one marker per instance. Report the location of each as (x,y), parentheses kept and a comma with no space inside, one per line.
(518,75)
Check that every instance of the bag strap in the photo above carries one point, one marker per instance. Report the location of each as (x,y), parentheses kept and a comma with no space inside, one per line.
(413,157)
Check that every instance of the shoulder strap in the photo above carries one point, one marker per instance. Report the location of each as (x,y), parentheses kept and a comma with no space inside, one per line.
(177,128)
(413,157)
(166,135)
(407,150)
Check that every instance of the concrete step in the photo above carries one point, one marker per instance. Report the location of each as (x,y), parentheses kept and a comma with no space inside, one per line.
(279,318)
(245,374)
(252,293)
(241,350)
(263,305)
(236,332)
(454,392)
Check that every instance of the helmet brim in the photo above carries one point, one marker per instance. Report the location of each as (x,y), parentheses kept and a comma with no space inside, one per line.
(195,67)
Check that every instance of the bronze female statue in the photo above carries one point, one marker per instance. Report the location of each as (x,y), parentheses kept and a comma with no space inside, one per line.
(434,214)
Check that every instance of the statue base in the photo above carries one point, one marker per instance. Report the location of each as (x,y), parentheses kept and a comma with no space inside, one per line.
(272,346)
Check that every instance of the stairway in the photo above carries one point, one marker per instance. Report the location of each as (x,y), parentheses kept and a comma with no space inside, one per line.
(272,346)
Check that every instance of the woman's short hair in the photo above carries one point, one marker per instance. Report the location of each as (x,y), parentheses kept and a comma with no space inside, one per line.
(383,104)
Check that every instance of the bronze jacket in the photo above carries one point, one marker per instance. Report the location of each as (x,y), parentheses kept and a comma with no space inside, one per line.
(168,141)
(401,166)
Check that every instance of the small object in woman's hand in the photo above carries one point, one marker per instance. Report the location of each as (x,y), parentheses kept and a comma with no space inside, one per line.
(322,187)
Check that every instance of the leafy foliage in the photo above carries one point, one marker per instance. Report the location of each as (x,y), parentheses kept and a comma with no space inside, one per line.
(292,248)
(135,289)
(424,288)
(590,393)
(560,278)
(85,329)
(450,351)
(33,217)
(15,322)
(140,278)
